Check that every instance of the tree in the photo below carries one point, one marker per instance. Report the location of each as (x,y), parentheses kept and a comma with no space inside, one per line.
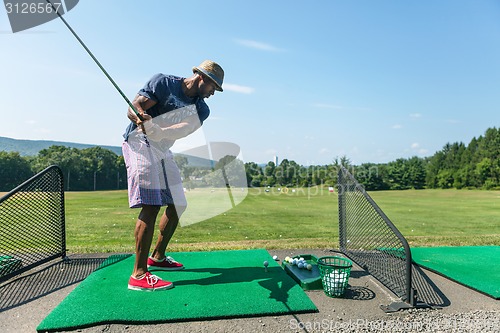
(269,178)
(14,170)
(186,170)
(415,169)
(370,176)
(445,178)
(254,174)
(398,177)
(122,173)
(281,173)
(435,163)
(101,168)
(229,170)
(476,165)
(88,169)
(68,159)
(484,172)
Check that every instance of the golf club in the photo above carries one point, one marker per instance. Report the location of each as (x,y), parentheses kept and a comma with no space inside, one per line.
(98,64)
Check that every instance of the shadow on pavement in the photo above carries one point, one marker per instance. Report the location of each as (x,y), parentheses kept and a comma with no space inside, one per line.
(427,290)
(46,280)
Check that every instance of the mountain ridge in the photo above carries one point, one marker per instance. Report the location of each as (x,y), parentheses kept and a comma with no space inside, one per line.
(32,147)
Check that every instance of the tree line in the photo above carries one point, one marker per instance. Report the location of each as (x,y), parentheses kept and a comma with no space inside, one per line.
(87,169)
(476,165)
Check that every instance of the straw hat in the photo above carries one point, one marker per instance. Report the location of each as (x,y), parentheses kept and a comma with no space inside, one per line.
(213,71)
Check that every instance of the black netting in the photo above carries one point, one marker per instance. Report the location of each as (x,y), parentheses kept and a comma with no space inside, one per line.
(32,223)
(370,239)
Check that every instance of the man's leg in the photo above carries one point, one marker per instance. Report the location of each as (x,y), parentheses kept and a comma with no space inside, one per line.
(168,224)
(144,229)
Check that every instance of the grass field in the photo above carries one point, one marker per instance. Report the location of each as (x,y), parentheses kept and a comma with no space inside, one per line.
(306,218)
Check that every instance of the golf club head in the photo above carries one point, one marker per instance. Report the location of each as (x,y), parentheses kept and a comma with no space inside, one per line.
(24,15)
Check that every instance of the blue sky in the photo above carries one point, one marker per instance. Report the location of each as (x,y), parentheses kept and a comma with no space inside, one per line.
(308,81)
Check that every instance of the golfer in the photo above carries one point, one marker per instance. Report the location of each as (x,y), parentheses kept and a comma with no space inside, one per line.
(172,107)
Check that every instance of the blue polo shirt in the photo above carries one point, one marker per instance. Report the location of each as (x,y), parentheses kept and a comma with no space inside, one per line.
(166,91)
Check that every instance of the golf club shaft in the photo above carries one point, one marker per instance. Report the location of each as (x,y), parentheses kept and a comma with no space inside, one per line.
(228,187)
(97,62)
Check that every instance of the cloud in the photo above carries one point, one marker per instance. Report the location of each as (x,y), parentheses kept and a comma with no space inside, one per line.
(238,88)
(397,126)
(415,115)
(416,147)
(323,151)
(258,45)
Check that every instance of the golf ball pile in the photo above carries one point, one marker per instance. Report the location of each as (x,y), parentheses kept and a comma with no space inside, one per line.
(299,262)
(334,282)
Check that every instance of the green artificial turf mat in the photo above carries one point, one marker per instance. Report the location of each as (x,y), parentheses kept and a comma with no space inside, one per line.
(218,284)
(473,266)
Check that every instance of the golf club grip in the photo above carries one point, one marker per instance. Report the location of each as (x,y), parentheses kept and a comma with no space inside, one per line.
(136,113)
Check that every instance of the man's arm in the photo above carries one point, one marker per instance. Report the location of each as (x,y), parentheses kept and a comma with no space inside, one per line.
(173,132)
(184,128)
(141,104)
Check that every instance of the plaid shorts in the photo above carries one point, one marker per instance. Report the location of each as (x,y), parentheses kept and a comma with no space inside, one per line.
(152,174)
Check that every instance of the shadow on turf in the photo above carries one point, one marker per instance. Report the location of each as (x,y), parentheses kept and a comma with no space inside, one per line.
(231,275)
(46,280)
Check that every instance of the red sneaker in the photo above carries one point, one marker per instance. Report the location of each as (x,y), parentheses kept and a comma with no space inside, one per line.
(149,282)
(167,264)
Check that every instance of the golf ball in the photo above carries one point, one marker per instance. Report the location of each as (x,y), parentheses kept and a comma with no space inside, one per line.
(309,267)
(300,265)
(287,259)
(266,263)
(275,257)
(294,261)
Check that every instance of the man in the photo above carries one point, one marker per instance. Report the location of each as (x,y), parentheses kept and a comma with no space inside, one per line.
(171,107)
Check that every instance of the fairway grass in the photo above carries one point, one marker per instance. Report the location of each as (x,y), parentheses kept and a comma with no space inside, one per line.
(304,218)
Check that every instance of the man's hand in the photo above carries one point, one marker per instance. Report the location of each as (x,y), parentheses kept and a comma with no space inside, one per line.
(135,119)
(141,104)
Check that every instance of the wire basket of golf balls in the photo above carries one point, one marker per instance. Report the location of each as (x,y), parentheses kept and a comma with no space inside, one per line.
(334,273)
